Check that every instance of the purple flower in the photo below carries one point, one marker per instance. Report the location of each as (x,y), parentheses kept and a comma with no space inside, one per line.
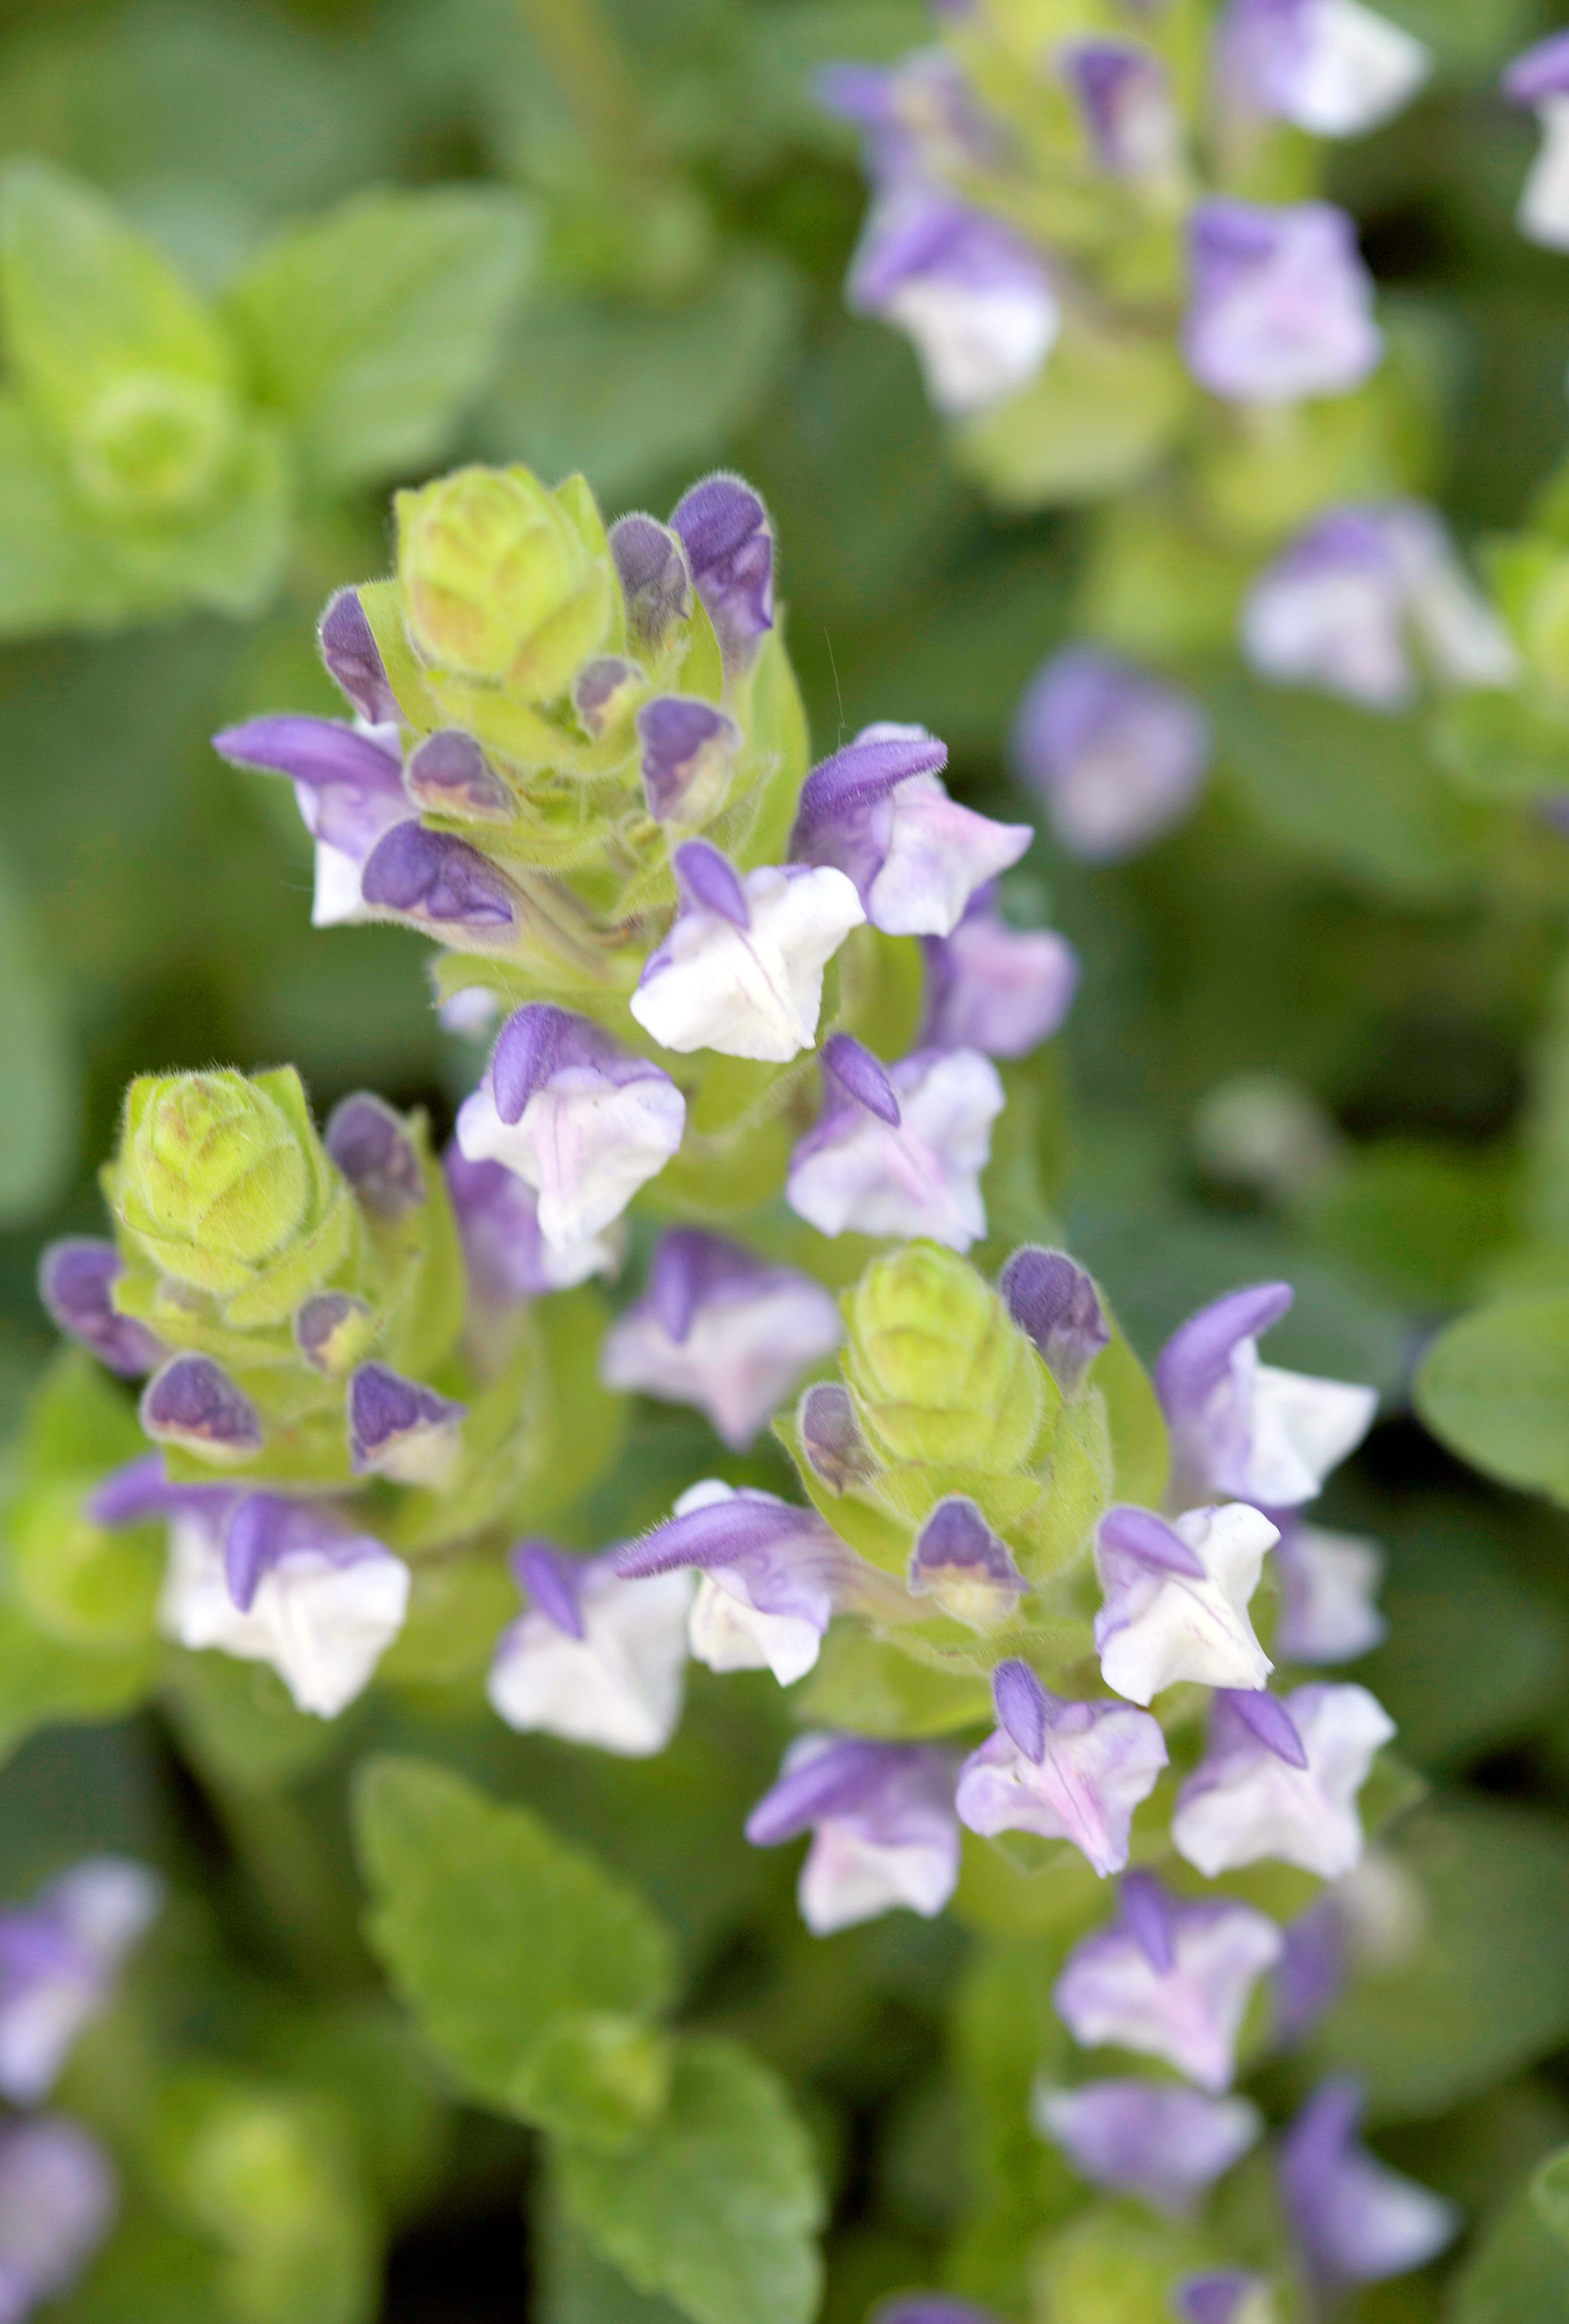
(877,810)
(971,295)
(882,1816)
(1245,1429)
(193,1403)
(1057,1304)
(1124,95)
(1282,307)
(1176,1598)
(1117,756)
(656,580)
(1362,594)
(725,529)
(688,750)
(371,1145)
(506,1255)
(400,1429)
(773,1577)
(920,118)
(1280,1780)
(1171,1980)
(596,1659)
(997,989)
(1073,1771)
(57,2198)
(578,1118)
(76,1282)
(1331,66)
(898,1152)
(722,1329)
(1223,2295)
(1328,1585)
(348,782)
(354,660)
(1129,2137)
(964,1566)
(59,1957)
(1540,78)
(741,968)
(436,882)
(1356,2221)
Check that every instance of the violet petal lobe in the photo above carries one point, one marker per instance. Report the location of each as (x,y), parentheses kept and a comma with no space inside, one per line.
(437,879)
(1355,2221)
(76,1280)
(192,1401)
(1023,1707)
(551,1584)
(1057,1304)
(725,529)
(861,1076)
(353,659)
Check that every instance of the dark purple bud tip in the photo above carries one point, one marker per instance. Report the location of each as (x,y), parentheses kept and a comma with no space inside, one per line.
(1266,1718)
(707,882)
(682,739)
(1140,1534)
(331,1330)
(192,1401)
(369,1143)
(399,1426)
(654,579)
(525,1055)
(957,1538)
(255,1539)
(830,1439)
(861,1076)
(550,1584)
(729,546)
(600,689)
(1145,1910)
(1218,2297)
(449,774)
(430,875)
(354,659)
(1023,1707)
(1057,1304)
(76,1280)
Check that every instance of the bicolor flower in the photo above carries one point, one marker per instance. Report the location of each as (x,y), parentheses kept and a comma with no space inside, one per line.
(59,1957)
(348,784)
(1243,1429)
(1329,1584)
(1281,305)
(1223,2295)
(1331,66)
(76,1282)
(576,1116)
(687,748)
(1057,1304)
(1157,2140)
(1176,1598)
(1117,756)
(741,968)
(1540,80)
(773,1577)
(1355,2221)
(965,1567)
(972,296)
(920,118)
(400,1428)
(594,1659)
(1124,95)
(1365,601)
(58,2200)
(900,1151)
(1171,1980)
(1073,1771)
(883,1823)
(878,811)
(193,1403)
(506,1255)
(999,990)
(371,1145)
(724,528)
(1280,1780)
(722,1329)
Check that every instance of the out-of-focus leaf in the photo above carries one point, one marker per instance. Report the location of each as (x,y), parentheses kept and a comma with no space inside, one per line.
(238,1722)
(577,2286)
(1115,2262)
(1102,412)
(790,47)
(1517,2274)
(37,1064)
(1495,1387)
(1550,2195)
(1421,1221)
(152,2271)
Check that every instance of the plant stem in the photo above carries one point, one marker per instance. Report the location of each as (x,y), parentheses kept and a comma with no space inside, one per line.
(584,59)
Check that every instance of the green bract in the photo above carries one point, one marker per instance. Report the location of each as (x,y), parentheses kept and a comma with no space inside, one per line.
(939,1370)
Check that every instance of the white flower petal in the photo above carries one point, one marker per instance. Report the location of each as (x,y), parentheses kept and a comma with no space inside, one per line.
(756,991)
(726,1632)
(620,1686)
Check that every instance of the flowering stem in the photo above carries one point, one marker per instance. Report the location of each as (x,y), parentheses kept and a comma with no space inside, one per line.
(293,1873)
(584,59)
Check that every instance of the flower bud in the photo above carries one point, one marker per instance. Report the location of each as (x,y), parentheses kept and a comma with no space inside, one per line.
(940,1371)
(499,583)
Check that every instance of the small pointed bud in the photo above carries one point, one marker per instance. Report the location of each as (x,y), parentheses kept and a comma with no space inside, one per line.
(830,1437)
(725,531)
(1057,1305)
(650,562)
(371,1146)
(440,882)
(332,1331)
(687,749)
(76,1282)
(965,1567)
(401,1429)
(448,774)
(940,1370)
(193,1403)
(213,1177)
(354,659)
(604,692)
(1281,306)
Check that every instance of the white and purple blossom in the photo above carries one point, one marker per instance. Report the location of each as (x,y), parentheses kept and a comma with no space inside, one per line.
(742,969)
(687,748)
(371,1146)
(505,1255)
(1355,2221)
(974,298)
(1157,2140)
(1281,1779)
(899,1151)
(1329,1584)
(58,2200)
(401,1429)
(576,1116)
(1243,1429)
(722,1329)
(877,811)
(60,1957)
(348,783)
(1124,94)
(192,1402)
(1057,1305)
(965,1568)
(1117,756)
(1281,305)
(883,1823)
(999,989)
(724,528)
(594,1659)
(1331,66)
(1169,1979)
(1176,1598)
(1073,1771)
(1540,80)
(76,1282)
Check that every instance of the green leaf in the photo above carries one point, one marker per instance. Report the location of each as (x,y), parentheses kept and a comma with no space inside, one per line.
(1518,2274)
(236,1719)
(371,328)
(1103,410)
(867,1685)
(1550,2195)
(153,2272)
(1495,1388)
(490,1926)
(718,2208)
(43,1679)
(37,1067)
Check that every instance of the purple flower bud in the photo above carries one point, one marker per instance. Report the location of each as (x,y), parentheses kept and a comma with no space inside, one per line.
(603,692)
(400,1429)
(965,1567)
(688,748)
(1124,95)
(884,1832)
(76,1280)
(920,118)
(59,1957)
(1057,1305)
(725,529)
(830,1439)
(721,1329)
(1223,2295)
(1328,1585)
(1356,2221)
(929,2307)
(193,1403)
(439,883)
(1073,1771)
(354,659)
(506,1255)
(449,774)
(997,989)
(1117,756)
(656,583)
(349,786)
(57,2198)
(1156,2140)
(971,295)
(1331,66)
(917,1175)
(371,1146)
(331,1330)
(1184,2001)
(1251,1797)
(1176,1598)
(596,1659)
(1282,306)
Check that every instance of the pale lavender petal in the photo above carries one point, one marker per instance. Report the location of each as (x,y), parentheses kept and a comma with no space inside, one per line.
(1281,306)
(437,880)
(920,1176)
(1057,1304)
(1124,95)
(1223,2295)
(595,1659)
(1355,2221)
(1098,1760)
(1334,68)
(929,2308)
(842,818)
(1541,74)
(354,659)
(193,1402)
(76,1280)
(999,990)
(1176,1595)
(371,1145)
(725,529)
(1117,756)
(973,297)
(1246,1802)
(1157,2140)
(885,1833)
(1188,2012)
(263,1529)
(1265,1718)
(58,2200)
(1328,1591)
(1311,1973)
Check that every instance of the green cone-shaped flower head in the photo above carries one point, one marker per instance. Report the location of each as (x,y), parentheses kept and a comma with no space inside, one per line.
(940,1371)
(504,580)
